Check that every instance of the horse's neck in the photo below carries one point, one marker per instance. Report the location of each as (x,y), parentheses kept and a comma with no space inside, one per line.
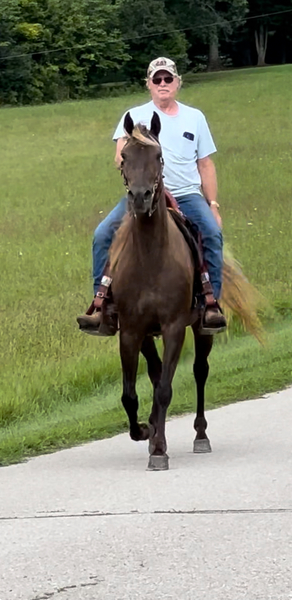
(150,234)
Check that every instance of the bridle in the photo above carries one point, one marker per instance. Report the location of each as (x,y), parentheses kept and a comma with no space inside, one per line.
(157,181)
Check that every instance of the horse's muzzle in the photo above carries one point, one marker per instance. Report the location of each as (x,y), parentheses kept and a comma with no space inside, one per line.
(140,201)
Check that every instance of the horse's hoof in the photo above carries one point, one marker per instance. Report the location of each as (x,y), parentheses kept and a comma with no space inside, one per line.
(202,446)
(140,433)
(158,462)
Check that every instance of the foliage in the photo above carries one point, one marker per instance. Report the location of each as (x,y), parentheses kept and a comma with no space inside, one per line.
(151,32)
(14,72)
(209,21)
(275,20)
(68,45)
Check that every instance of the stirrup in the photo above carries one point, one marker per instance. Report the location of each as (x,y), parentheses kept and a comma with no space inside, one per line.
(206,329)
(109,319)
(107,328)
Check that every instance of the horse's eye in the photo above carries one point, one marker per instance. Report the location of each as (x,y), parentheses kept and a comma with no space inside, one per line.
(159,156)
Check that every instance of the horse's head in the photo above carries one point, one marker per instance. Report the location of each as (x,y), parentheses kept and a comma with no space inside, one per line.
(142,165)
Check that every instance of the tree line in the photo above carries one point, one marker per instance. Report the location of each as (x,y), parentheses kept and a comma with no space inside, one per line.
(52,50)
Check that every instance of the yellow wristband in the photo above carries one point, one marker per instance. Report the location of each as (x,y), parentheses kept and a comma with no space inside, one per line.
(214,203)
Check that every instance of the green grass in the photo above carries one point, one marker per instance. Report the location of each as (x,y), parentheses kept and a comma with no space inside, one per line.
(56,175)
(239,371)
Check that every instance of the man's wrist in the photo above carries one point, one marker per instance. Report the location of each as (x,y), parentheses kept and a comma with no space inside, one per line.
(213,204)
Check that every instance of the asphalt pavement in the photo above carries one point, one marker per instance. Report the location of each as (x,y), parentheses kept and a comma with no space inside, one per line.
(92,523)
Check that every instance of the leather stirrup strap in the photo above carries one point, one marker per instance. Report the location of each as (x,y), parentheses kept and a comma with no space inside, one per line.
(90,309)
(103,290)
(207,289)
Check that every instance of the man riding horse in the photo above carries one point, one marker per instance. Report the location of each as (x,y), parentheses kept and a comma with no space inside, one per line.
(190,176)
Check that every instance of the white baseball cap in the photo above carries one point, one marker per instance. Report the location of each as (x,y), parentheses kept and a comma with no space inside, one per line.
(162,64)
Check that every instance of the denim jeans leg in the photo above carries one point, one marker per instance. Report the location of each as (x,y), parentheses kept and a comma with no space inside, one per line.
(196,209)
(102,240)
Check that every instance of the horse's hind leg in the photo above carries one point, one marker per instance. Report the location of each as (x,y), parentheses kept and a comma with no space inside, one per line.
(129,351)
(173,338)
(203,345)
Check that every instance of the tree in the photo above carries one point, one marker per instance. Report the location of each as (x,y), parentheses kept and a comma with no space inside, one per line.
(226,17)
(265,23)
(209,21)
(150,33)
(69,45)
(15,69)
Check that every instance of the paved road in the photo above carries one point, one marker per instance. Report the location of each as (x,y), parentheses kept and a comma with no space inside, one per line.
(91,523)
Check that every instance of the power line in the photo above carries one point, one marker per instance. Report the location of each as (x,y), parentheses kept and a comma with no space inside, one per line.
(80,47)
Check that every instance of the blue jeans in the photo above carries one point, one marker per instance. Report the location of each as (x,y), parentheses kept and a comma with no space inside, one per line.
(195,208)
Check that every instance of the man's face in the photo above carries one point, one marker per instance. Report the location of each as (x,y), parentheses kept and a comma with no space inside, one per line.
(163,86)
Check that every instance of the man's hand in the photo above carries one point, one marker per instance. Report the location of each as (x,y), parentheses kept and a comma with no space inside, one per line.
(119,147)
(216,214)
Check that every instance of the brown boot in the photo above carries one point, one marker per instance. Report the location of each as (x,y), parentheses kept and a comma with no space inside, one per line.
(90,323)
(213,320)
(99,323)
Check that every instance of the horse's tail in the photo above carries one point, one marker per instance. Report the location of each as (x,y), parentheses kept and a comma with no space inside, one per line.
(239,297)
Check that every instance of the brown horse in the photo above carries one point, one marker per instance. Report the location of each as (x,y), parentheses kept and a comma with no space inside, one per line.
(153,277)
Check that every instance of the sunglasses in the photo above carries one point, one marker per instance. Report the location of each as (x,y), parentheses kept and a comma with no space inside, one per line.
(158,80)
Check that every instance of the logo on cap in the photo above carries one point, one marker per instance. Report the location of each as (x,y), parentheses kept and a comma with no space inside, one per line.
(160,63)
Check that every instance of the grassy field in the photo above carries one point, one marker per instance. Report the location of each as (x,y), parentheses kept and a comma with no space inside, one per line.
(57,179)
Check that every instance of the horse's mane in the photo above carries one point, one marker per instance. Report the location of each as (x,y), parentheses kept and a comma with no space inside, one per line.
(121,236)
(142,135)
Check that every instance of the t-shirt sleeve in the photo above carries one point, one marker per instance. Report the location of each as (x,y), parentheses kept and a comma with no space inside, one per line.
(206,144)
(119,132)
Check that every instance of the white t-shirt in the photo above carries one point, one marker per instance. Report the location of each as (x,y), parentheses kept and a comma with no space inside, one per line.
(184,138)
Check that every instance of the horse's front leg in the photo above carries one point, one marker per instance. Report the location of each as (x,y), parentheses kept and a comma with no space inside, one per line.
(173,338)
(203,346)
(154,363)
(154,366)
(129,352)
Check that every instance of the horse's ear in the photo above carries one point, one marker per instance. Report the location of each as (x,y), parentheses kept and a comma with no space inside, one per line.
(128,123)
(155,125)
